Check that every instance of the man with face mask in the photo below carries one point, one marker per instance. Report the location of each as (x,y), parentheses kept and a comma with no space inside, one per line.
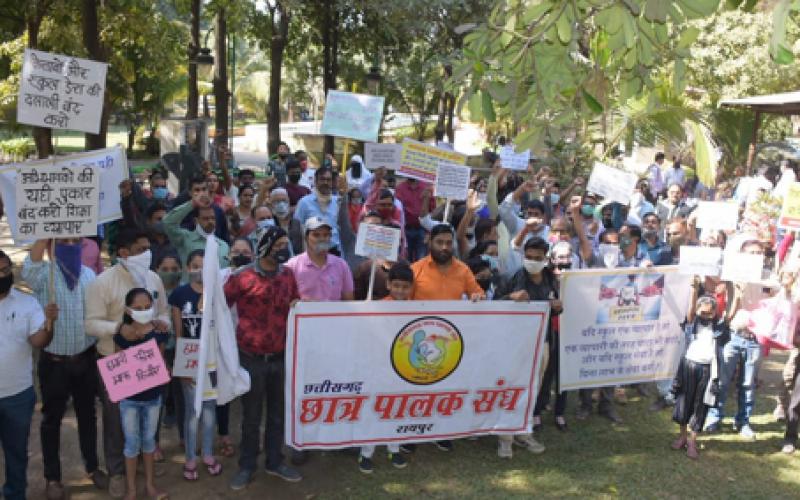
(263,295)
(659,253)
(321,276)
(294,189)
(186,241)
(323,203)
(66,366)
(277,165)
(104,306)
(282,214)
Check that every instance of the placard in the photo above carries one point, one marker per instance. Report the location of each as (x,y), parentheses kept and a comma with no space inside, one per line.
(355,116)
(621,326)
(790,211)
(717,215)
(513,160)
(56,202)
(742,267)
(132,371)
(700,261)
(378,242)
(420,161)
(382,155)
(609,255)
(611,183)
(61,92)
(187,354)
(452,181)
(416,371)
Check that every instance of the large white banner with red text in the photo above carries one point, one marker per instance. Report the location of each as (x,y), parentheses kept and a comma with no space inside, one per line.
(361,373)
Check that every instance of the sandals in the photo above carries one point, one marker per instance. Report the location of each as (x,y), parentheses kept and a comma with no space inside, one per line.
(679,443)
(214,468)
(160,496)
(190,473)
(226,449)
(158,455)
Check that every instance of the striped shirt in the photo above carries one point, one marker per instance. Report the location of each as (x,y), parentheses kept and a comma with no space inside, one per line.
(69,335)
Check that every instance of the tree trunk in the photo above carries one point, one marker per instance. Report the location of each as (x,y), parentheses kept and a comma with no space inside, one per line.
(42,137)
(220,82)
(193,95)
(91,40)
(330,47)
(450,105)
(280,32)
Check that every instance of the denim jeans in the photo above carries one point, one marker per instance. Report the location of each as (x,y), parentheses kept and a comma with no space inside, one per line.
(746,355)
(415,241)
(139,423)
(266,383)
(16,413)
(208,417)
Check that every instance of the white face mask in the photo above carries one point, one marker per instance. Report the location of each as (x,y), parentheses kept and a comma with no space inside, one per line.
(534,266)
(142,317)
(138,266)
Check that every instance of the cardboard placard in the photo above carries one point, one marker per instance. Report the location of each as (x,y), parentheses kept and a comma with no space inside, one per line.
(513,160)
(420,161)
(378,242)
(611,183)
(700,261)
(132,371)
(717,215)
(354,116)
(382,155)
(452,181)
(790,211)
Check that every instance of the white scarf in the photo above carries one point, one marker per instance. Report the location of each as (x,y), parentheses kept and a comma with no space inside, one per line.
(138,266)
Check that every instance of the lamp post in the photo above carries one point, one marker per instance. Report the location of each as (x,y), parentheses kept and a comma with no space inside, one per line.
(204,60)
(374,80)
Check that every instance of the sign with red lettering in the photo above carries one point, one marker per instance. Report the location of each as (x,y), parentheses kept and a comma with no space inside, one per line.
(187,354)
(134,370)
(361,373)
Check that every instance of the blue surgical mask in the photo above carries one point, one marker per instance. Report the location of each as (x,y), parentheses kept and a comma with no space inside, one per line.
(492,260)
(322,246)
(160,193)
(263,224)
(587,210)
(554,197)
(281,208)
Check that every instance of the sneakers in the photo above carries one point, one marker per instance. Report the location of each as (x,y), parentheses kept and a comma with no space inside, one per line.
(286,473)
(408,448)
(398,461)
(504,449)
(747,432)
(99,479)
(54,490)
(788,448)
(241,479)
(712,428)
(444,445)
(116,486)
(365,465)
(779,413)
(527,441)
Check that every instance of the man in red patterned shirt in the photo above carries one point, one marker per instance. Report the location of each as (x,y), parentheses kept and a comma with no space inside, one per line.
(263,294)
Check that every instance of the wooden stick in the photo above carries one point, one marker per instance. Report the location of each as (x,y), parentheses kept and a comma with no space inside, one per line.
(53,263)
(372,279)
(446,211)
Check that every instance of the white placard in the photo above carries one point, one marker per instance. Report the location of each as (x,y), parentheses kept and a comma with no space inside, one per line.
(61,92)
(717,215)
(611,183)
(513,160)
(609,254)
(378,242)
(452,181)
(56,202)
(382,155)
(742,267)
(700,261)
(187,355)
(355,116)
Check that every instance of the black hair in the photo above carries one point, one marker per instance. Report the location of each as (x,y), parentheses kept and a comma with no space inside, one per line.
(323,170)
(246,240)
(130,297)
(197,180)
(282,143)
(659,156)
(537,243)
(195,253)
(355,168)
(606,233)
(535,204)
(3,255)
(168,255)
(157,172)
(385,193)
(402,272)
(292,162)
(155,207)
(300,153)
(634,231)
(246,171)
(128,237)
(484,227)
(242,189)
(480,248)
(648,214)
(441,229)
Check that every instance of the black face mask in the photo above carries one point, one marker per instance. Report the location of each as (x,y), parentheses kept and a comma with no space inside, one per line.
(705,321)
(283,156)
(5,283)
(281,256)
(241,260)
(294,178)
(485,283)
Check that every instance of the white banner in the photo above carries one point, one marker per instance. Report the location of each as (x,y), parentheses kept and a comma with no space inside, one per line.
(360,373)
(61,92)
(611,183)
(56,202)
(382,155)
(627,327)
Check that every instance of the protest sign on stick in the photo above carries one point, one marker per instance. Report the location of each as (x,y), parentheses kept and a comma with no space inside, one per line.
(742,267)
(420,161)
(719,215)
(56,202)
(187,354)
(382,155)
(452,181)
(700,261)
(790,211)
(377,242)
(132,371)
(513,160)
(611,183)
(353,116)
(61,92)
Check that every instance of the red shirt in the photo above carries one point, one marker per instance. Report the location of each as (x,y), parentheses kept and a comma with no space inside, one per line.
(295,192)
(263,304)
(411,197)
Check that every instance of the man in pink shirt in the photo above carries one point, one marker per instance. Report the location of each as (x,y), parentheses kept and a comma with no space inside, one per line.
(320,276)
(409,192)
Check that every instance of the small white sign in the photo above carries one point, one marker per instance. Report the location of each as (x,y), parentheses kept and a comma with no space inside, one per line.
(742,267)
(382,155)
(513,160)
(700,261)
(452,181)
(611,183)
(717,215)
(378,242)
(187,355)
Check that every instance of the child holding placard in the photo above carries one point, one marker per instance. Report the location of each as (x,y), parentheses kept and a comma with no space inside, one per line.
(139,412)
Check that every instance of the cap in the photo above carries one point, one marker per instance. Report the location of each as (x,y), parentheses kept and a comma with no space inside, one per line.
(314,223)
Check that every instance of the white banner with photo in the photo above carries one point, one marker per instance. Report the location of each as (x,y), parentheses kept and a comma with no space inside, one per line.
(360,373)
(627,329)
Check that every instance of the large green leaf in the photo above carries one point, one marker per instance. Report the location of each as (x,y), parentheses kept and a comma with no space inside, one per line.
(704,154)
(564,28)
(688,36)
(487,107)
(591,102)
(777,47)
(656,10)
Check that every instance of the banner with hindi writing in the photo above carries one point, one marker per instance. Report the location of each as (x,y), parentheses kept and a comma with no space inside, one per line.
(621,326)
(56,202)
(360,373)
(354,116)
(61,92)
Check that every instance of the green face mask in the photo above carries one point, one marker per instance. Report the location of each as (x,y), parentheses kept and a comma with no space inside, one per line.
(624,242)
(170,279)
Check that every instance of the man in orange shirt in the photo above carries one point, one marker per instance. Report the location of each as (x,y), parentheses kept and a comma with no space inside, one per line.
(440,276)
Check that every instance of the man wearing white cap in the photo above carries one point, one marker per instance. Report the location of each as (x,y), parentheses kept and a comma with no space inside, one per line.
(320,275)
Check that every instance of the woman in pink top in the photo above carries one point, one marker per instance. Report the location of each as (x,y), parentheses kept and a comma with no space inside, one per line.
(90,255)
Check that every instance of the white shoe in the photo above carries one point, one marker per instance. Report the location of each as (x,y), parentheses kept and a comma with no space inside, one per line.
(504,449)
(527,441)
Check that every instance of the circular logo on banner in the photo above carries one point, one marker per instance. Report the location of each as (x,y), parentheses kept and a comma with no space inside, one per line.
(427,350)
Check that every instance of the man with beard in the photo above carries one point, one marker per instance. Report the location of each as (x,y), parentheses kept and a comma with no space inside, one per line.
(322,203)
(659,253)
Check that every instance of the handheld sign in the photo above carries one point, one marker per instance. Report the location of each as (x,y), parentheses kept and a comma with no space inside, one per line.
(376,241)
(56,202)
(790,212)
(132,371)
(611,183)
(353,116)
(742,267)
(700,261)
(61,92)
(420,161)
(187,354)
(382,155)
(452,181)
(718,215)
(513,160)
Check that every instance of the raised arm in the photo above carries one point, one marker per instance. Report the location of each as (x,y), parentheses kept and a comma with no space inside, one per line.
(585,244)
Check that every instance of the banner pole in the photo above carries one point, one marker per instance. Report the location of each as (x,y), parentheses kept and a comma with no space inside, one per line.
(52,280)
(372,279)
(446,211)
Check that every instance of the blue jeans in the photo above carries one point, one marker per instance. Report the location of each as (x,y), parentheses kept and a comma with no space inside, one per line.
(139,424)
(746,355)
(415,241)
(16,413)
(208,416)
